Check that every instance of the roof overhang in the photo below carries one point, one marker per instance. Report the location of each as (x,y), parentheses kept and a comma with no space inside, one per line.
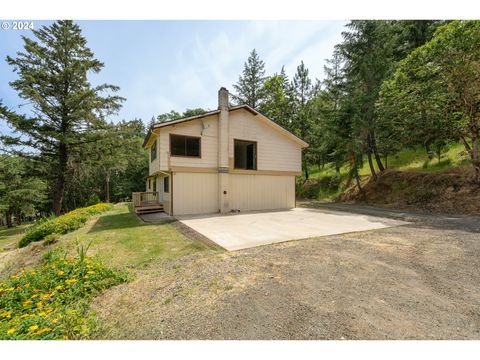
(268,121)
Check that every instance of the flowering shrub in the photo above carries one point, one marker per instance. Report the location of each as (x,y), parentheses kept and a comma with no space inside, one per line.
(50,302)
(62,224)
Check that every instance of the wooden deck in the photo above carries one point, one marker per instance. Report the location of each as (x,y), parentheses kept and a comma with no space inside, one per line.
(147,202)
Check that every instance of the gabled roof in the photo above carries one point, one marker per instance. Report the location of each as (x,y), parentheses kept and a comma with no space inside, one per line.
(270,122)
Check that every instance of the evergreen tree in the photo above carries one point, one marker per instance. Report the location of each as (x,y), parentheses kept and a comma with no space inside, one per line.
(21,193)
(302,120)
(66,110)
(250,86)
(278,103)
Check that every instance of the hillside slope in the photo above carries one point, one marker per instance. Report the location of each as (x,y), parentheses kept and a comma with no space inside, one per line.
(447,191)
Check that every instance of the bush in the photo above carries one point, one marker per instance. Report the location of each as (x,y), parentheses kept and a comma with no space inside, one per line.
(51,301)
(92,200)
(51,239)
(62,224)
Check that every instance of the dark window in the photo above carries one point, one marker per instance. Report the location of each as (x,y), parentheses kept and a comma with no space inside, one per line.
(149,184)
(155,185)
(166,184)
(181,145)
(153,151)
(245,155)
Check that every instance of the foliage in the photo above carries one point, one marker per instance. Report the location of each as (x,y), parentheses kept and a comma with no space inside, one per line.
(278,102)
(250,86)
(92,200)
(434,95)
(21,192)
(49,302)
(62,224)
(66,111)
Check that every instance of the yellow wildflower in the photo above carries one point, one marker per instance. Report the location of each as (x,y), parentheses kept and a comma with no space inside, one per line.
(40,332)
(28,302)
(10,289)
(34,296)
(60,272)
(7,314)
(27,285)
(11,331)
(14,277)
(65,337)
(33,327)
(55,320)
(25,315)
(90,272)
(59,287)
(42,313)
(45,296)
(71,281)
(39,304)
(85,277)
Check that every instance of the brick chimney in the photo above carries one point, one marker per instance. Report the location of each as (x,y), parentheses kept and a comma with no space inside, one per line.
(223,148)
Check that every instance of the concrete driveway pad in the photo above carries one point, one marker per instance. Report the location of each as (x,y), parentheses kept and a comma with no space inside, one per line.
(242,231)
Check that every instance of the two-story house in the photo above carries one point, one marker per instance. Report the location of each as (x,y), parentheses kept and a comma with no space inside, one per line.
(230,159)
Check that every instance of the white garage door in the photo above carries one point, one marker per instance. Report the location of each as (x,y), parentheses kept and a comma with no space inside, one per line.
(261,192)
(195,193)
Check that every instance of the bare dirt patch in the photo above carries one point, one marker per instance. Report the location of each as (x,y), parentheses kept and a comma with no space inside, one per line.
(419,281)
(451,191)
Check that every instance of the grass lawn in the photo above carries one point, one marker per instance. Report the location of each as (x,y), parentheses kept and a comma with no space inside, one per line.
(122,240)
(11,237)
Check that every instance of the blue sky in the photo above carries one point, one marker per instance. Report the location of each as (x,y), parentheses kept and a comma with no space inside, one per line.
(174,65)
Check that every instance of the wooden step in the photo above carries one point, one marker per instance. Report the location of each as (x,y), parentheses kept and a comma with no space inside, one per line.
(149,209)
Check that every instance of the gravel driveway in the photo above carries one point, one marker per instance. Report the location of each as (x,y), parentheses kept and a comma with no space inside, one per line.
(417,281)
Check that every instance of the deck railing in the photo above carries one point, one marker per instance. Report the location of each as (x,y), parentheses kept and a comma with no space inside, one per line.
(145,198)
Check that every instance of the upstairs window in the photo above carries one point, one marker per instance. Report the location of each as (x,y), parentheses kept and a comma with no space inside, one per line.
(245,154)
(181,145)
(153,151)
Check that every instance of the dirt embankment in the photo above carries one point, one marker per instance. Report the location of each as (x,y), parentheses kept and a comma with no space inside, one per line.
(450,191)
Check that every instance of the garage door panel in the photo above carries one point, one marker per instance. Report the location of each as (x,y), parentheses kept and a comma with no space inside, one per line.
(262,192)
(195,193)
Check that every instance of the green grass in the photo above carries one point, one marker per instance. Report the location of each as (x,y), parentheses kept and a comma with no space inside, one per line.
(122,240)
(11,236)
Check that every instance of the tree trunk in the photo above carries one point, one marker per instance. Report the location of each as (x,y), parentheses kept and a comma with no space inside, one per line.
(372,168)
(305,167)
(8,218)
(59,189)
(373,145)
(357,180)
(475,158)
(18,218)
(107,187)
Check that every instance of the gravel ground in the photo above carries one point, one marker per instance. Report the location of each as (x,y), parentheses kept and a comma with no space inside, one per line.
(418,281)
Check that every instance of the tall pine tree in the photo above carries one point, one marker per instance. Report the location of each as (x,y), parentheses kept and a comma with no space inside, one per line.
(66,110)
(250,86)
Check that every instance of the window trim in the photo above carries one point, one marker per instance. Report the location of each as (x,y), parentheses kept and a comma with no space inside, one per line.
(153,158)
(187,136)
(256,154)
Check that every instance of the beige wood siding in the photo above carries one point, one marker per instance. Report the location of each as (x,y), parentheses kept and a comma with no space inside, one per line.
(206,129)
(274,150)
(261,192)
(195,193)
(154,165)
